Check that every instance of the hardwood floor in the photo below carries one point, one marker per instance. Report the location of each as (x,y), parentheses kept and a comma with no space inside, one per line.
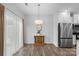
(46,50)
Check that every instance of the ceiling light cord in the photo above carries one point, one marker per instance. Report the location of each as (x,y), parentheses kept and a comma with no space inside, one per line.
(38,11)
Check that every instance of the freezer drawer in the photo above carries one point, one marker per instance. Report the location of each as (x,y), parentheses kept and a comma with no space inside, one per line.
(66,43)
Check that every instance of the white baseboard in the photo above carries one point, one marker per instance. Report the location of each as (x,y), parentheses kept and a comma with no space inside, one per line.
(29,43)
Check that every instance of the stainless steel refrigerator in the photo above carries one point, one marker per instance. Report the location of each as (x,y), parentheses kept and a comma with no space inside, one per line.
(65,34)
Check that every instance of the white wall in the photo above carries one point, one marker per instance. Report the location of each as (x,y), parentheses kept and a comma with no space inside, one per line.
(55,30)
(77,48)
(30,30)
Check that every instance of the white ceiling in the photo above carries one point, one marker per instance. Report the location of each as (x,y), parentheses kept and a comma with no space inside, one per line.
(45,8)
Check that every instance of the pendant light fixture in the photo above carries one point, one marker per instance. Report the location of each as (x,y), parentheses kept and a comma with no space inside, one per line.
(38,21)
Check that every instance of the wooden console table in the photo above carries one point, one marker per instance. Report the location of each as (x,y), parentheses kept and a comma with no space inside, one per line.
(39,39)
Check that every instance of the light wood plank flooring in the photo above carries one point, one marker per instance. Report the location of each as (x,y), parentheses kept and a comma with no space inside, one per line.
(46,50)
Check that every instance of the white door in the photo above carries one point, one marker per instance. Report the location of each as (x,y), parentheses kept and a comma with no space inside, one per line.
(13,38)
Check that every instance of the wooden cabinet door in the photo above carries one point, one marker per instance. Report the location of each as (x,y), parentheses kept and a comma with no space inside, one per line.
(39,40)
(1,29)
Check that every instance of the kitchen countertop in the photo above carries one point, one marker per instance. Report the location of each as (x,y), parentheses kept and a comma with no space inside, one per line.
(76,33)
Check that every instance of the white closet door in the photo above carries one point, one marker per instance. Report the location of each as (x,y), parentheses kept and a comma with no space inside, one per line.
(20,33)
(13,33)
(19,43)
(16,35)
(17,40)
(10,30)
